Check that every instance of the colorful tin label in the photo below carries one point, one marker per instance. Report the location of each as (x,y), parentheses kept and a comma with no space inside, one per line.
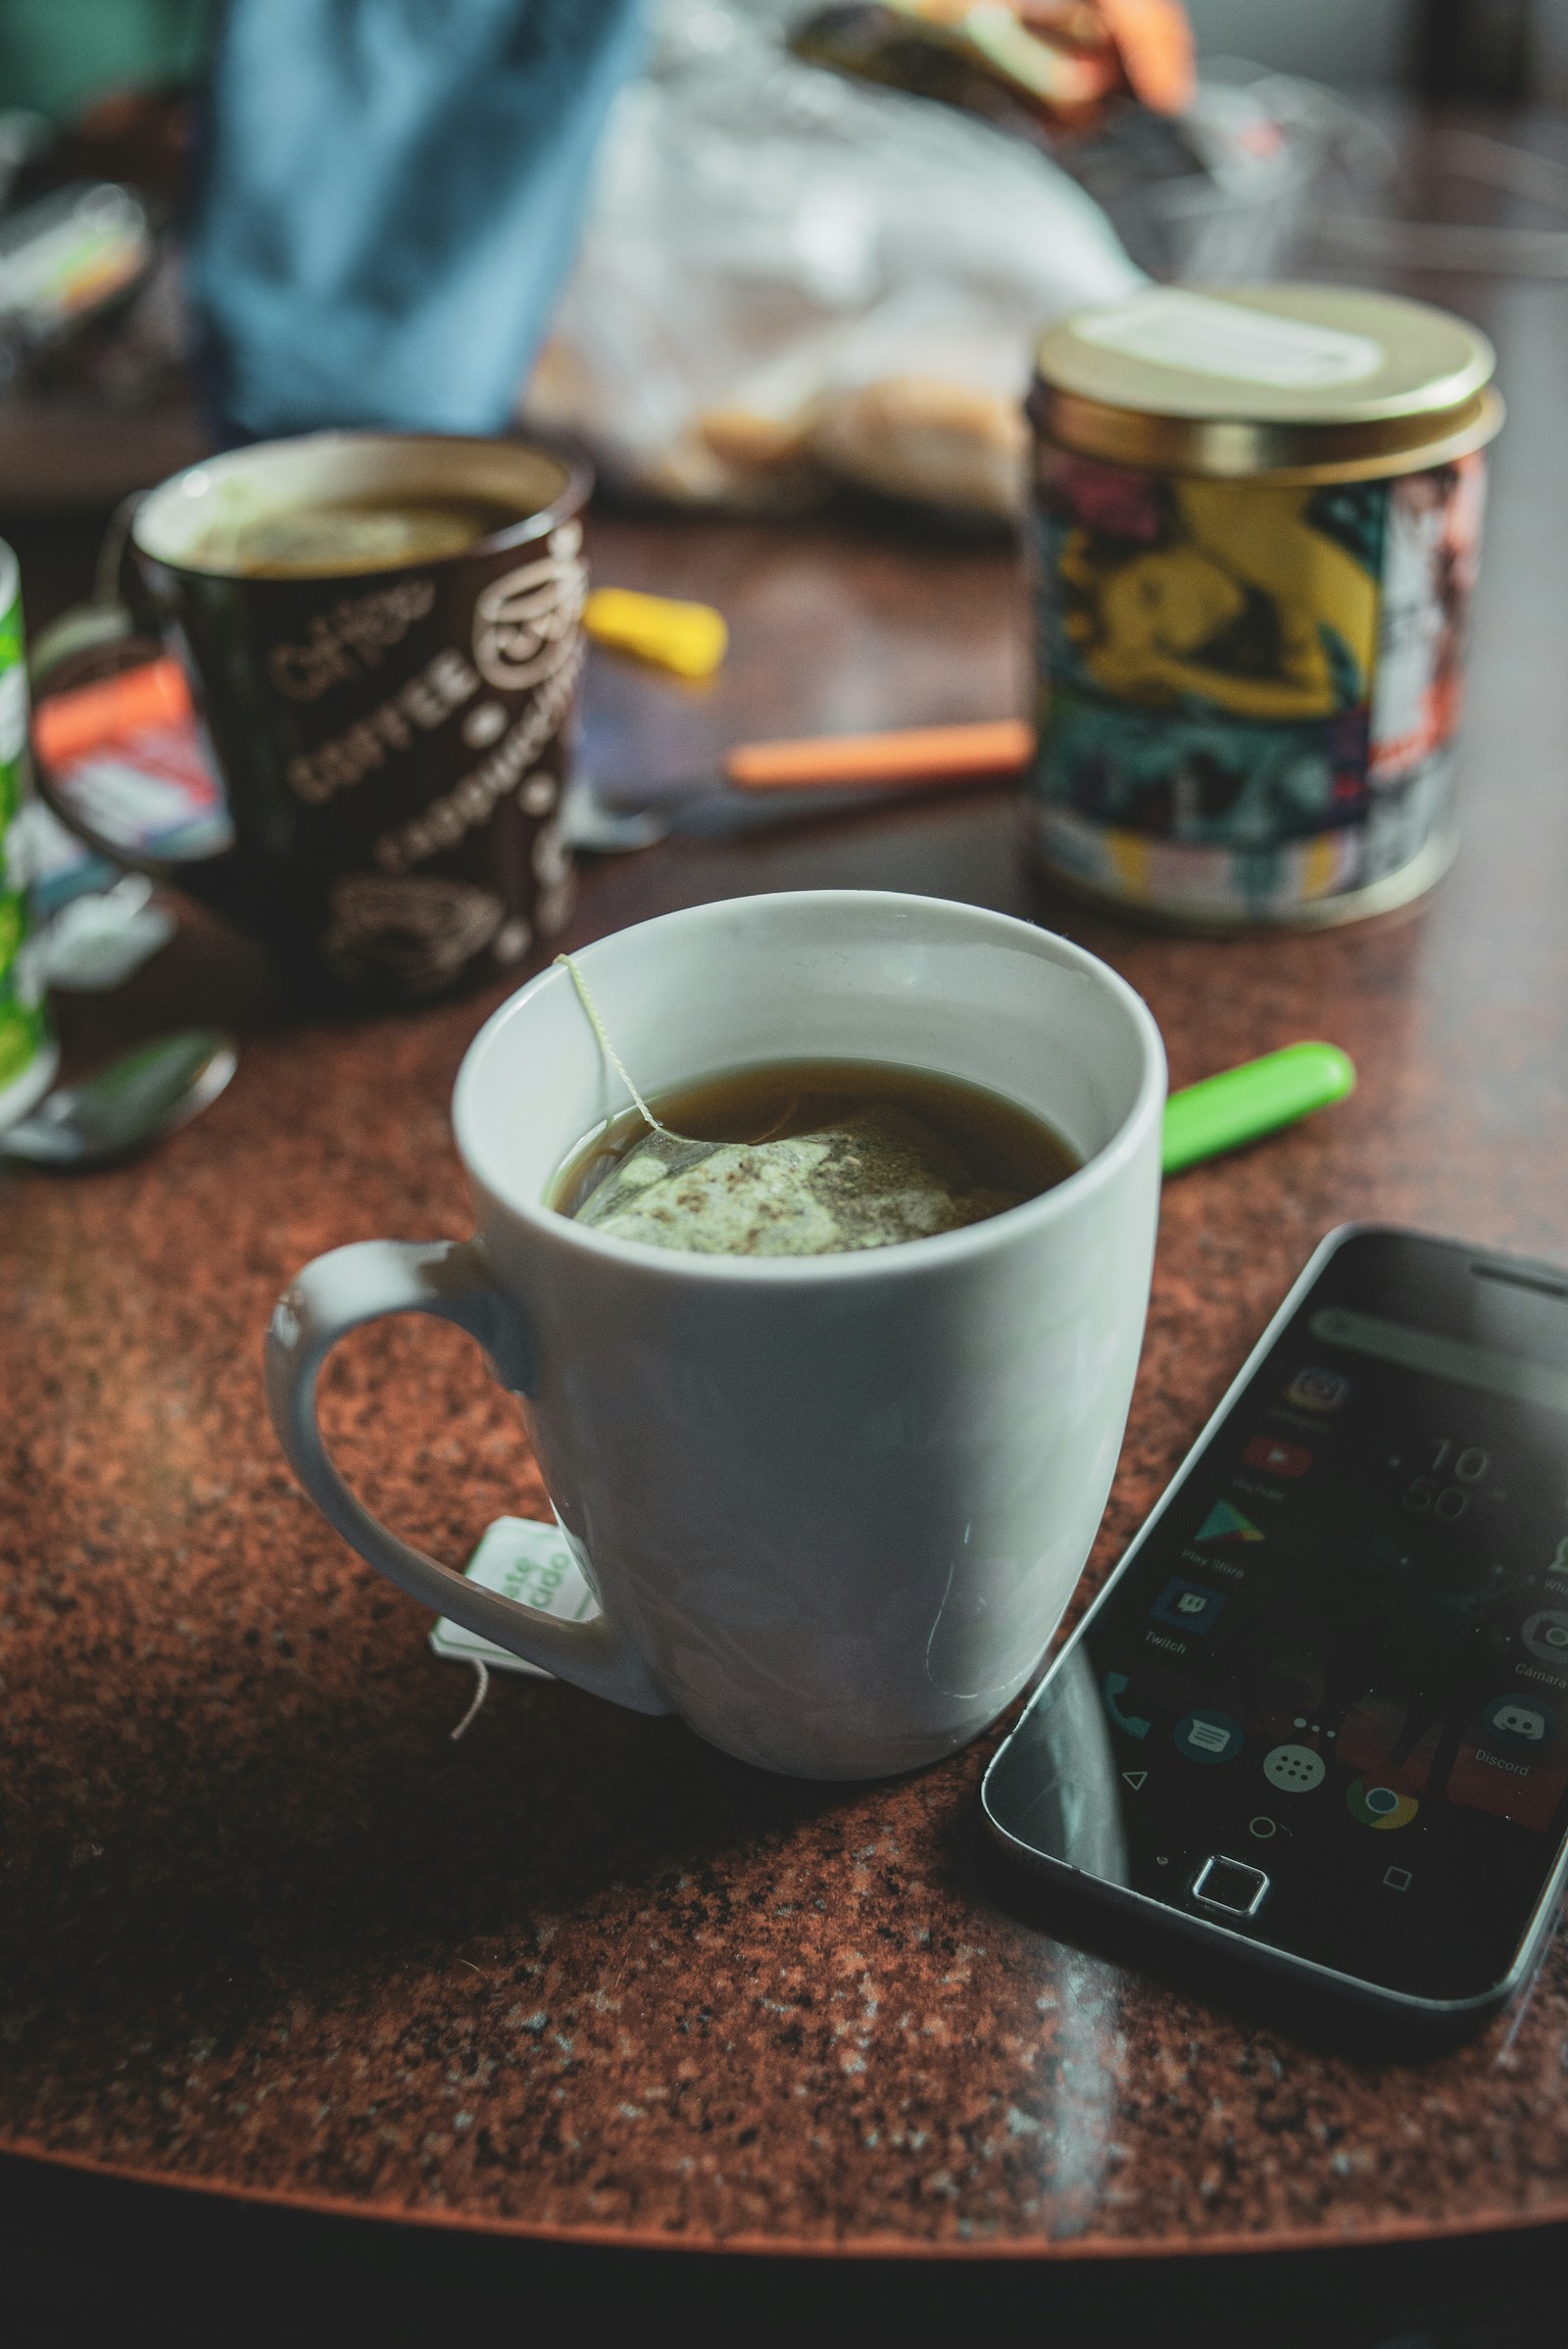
(27,1056)
(1248,690)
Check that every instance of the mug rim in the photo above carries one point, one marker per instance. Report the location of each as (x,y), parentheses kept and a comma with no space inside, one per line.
(538,522)
(937,1250)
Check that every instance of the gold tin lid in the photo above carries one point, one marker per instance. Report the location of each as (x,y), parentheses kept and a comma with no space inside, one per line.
(1299,382)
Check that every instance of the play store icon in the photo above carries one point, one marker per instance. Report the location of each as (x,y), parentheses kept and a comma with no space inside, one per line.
(1225,1524)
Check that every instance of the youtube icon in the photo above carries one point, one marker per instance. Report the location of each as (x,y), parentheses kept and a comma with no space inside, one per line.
(1276,1458)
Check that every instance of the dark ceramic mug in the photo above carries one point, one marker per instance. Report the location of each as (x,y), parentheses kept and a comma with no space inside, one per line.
(392,743)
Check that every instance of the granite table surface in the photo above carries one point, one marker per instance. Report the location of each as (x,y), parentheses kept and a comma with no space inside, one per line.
(265,1928)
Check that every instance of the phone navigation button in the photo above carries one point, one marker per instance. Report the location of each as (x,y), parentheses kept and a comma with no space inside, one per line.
(1230,1885)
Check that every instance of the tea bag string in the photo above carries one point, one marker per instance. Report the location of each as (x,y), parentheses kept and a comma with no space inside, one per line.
(585,998)
(608,1049)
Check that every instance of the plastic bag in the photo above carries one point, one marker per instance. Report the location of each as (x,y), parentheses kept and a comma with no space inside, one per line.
(787,280)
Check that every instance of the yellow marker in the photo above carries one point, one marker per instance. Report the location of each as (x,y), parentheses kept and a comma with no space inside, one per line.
(688,638)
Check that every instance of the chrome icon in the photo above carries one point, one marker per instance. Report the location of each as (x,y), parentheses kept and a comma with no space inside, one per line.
(1379,1806)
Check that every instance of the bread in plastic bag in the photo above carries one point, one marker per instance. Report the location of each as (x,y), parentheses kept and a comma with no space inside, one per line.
(787,280)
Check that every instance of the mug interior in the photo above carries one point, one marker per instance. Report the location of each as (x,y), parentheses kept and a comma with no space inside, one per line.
(336,467)
(833,975)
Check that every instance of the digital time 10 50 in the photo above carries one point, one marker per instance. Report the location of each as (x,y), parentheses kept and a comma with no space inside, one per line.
(1429,1494)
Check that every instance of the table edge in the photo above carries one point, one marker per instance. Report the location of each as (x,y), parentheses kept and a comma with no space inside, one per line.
(1078,2250)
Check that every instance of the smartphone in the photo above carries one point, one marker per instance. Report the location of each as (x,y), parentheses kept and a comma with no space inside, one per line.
(1317,1720)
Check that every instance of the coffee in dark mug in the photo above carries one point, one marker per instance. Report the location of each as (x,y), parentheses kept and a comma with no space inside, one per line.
(382,635)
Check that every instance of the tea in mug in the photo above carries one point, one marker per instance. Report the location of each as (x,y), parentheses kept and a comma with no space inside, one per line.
(811,1159)
(325,540)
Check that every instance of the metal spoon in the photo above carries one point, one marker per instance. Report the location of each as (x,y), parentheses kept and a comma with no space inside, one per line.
(127,1105)
(602,827)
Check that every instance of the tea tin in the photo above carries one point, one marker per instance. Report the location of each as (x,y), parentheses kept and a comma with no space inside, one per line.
(1256,529)
(27,1053)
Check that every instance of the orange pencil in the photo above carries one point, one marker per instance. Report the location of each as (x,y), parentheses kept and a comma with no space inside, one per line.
(980,753)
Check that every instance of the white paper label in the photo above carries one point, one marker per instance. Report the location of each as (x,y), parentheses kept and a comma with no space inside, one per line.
(102,938)
(1176,329)
(530,1563)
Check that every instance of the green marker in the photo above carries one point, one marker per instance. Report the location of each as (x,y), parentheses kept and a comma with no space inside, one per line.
(1242,1105)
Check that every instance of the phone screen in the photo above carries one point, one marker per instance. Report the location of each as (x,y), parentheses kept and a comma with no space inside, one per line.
(1325,1702)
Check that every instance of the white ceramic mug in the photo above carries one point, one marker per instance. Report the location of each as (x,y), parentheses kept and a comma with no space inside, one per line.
(832,1507)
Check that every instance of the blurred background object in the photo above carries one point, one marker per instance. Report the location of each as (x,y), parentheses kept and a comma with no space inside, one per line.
(21,135)
(788,280)
(93,165)
(68,261)
(1355,44)
(27,1052)
(802,268)
(1205,176)
(792,279)
(1476,50)
(388,200)
(1035,65)
(62,61)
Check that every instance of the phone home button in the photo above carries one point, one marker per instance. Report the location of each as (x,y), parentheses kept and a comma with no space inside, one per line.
(1230,1886)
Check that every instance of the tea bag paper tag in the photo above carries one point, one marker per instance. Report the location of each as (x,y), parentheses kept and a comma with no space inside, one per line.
(530,1563)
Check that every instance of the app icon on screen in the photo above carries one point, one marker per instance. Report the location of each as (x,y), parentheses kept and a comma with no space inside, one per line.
(1113,1687)
(1225,1523)
(1207,1736)
(1187,1607)
(1276,1458)
(1519,1724)
(1546,1635)
(1317,1390)
(1294,1769)
(1379,1806)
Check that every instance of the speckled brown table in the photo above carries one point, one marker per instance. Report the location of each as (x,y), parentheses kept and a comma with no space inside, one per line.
(267,1928)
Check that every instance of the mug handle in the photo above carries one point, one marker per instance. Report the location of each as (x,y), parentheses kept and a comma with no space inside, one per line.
(87,637)
(450,1279)
(121,612)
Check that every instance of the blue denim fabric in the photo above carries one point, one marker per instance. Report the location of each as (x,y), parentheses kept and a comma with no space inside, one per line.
(388,200)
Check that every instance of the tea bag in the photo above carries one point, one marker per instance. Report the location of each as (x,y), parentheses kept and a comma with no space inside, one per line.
(881,1176)
(877,1176)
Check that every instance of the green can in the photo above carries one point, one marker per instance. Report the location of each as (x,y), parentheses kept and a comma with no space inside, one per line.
(28,1054)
